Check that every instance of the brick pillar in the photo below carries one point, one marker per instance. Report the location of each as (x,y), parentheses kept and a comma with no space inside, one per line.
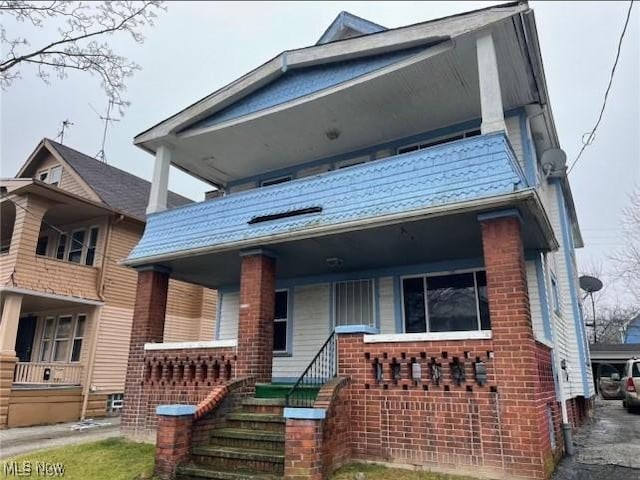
(522,417)
(173,442)
(147,327)
(303,450)
(255,325)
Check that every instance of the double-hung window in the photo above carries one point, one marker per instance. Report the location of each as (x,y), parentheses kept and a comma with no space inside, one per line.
(62,246)
(62,338)
(354,303)
(76,246)
(78,336)
(281,322)
(446,303)
(91,246)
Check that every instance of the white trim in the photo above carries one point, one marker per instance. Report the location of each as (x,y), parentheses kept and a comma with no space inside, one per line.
(191,345)
(428,337)
(54,296)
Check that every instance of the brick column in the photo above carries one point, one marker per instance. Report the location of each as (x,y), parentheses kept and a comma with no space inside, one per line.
(147,327)
(173,440)
(255,325)
(303,449)
(521,414)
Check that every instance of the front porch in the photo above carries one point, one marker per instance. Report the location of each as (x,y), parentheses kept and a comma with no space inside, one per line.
(47,341)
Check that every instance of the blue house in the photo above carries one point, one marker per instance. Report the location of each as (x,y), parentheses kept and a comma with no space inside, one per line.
(392,239)
(633,331)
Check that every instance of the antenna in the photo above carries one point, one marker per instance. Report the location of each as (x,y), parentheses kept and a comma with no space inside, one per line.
(591,285)
(65,123)
(101,155)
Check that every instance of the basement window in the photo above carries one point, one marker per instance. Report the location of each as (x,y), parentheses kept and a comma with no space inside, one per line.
(446,303)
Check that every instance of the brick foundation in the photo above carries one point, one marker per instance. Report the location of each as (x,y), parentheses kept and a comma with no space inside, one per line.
(257,303)
(147,327)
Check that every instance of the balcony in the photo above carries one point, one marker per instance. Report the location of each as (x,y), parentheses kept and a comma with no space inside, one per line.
(398,187)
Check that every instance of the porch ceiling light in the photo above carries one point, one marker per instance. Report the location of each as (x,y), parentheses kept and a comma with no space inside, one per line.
(333,262)
(332,134)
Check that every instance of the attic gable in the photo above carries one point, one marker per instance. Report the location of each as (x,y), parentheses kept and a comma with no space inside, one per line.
(346,25)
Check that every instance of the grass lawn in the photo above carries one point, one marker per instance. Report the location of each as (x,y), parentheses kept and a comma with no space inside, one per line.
(379,472)
(112,459)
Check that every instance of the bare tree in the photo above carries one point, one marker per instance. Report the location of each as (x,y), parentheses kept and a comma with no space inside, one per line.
(612,323)
(80,40)
(627,259)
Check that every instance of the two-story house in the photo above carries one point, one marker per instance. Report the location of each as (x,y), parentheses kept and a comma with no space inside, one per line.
(394,252)
(68,220)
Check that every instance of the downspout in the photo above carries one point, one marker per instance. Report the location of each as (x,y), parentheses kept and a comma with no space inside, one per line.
(96,321)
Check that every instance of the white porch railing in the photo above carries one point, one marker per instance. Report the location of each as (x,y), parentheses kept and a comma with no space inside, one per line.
(48,373)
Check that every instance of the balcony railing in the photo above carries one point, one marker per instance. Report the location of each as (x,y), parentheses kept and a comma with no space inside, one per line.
(406,185)
(48,373)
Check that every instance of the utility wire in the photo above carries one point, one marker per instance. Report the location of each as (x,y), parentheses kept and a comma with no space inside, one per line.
(591,136)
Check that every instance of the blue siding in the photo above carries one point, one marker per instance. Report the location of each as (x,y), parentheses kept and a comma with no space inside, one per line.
(469,169)
(297,83)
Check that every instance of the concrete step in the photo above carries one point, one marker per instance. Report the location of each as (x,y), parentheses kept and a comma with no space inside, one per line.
(255,421)
(230,458)
(273,406)
(246,438)
(194,471)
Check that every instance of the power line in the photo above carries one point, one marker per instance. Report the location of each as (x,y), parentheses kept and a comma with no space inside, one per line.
(591,137)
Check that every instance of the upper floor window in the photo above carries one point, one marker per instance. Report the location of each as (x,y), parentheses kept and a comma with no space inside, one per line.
(438,141)
(556,294)
(51,175)
(41,247)
(79,246)
(446,303)
(75,248)
(91,246)
(275,181)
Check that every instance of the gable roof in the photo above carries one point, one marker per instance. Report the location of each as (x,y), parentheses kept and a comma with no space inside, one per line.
(348,25)
(119,190)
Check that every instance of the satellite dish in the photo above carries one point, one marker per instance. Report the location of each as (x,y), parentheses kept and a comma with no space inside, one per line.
(554,160)
(590,284)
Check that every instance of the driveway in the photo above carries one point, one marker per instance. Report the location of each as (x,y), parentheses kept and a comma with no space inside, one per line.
(608,448)
(18,441)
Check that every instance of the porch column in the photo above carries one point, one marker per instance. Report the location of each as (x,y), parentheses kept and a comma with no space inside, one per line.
(147,327)
(255,325)
(523,425)
(8,331)
(160,182)
(490,94)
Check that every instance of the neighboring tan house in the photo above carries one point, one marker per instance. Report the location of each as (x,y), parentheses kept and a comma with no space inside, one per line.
(394,252)
(68,220)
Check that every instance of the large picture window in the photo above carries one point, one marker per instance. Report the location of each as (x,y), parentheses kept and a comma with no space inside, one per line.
(354,303)
(446,303)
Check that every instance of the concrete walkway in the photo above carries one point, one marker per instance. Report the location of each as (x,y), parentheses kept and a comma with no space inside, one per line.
(18,441)
(606,449)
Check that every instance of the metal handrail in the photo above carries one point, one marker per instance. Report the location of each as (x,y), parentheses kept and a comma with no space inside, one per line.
(320,370)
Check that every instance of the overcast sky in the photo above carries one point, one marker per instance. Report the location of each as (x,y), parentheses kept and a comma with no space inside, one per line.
(195,48)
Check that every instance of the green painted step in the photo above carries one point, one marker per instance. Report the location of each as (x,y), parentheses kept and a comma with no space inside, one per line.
(194,471)
(280,390)
(245,433)
(247,454)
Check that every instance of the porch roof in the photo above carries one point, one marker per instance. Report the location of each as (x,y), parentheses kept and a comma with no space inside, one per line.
(406,186)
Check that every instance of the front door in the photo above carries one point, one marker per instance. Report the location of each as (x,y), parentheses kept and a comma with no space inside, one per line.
(24,340)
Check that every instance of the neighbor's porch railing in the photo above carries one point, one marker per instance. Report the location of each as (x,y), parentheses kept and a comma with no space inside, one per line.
(48,373)
(322,368)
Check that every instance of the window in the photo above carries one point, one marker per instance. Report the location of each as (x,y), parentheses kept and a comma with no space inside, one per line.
(275,181)
(280,321)
(115,402)
(354,303)
(55,175)
(61,339)
(47,339)
(556,294)
(91,247)
(78,337)
(438,141)
(62,246)
(41,247)
(352,162)
(446,303)
(42,176)
(75,248)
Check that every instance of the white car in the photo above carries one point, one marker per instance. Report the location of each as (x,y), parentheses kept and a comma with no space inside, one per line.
(630,384)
